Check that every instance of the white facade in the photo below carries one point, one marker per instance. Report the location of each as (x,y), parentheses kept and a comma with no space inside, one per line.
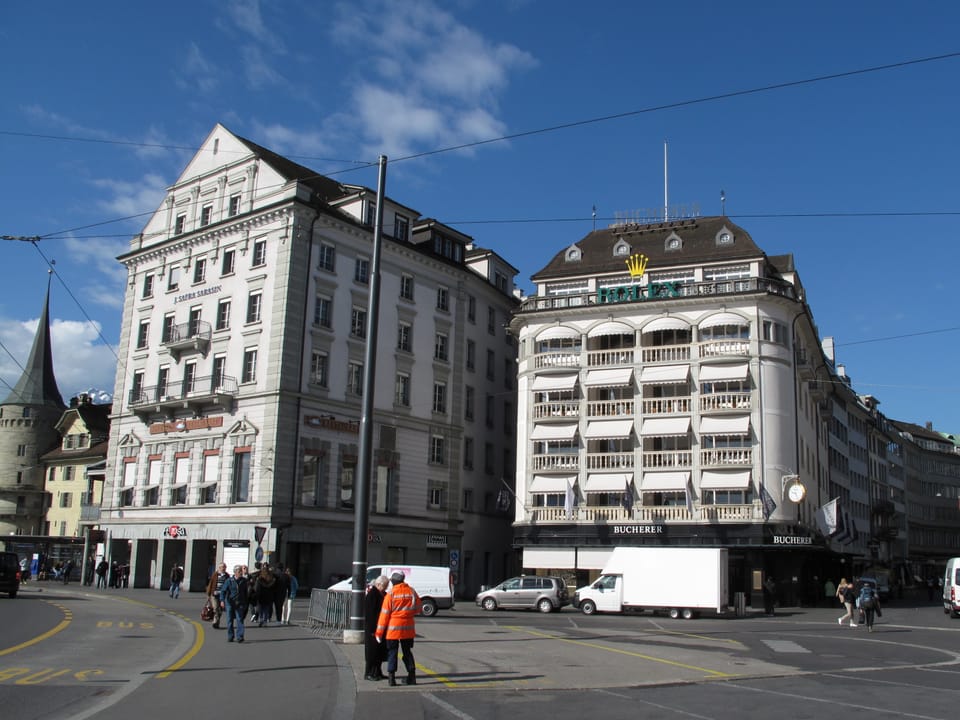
(663,386)
(238,395)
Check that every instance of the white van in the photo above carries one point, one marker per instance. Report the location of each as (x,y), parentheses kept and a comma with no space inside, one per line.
(434,585)
(951,588)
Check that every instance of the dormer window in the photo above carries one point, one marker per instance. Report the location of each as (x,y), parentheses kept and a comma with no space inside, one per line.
(724,237)
(621,249)
(673,242)
(573,254)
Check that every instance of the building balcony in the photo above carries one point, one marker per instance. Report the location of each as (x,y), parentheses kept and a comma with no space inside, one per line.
(725,457)
(187,337)
(672,514)
(611,461)
(610,408)
(715,288)
(610,358)
(89,513)
(550,463)
(724,348)
(658,459)
(667,406)
(732,513)
(558,409)
(719,402)
(561,359)
(665,354)
(197,395)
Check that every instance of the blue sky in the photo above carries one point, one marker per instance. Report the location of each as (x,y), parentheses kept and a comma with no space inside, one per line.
(856,176)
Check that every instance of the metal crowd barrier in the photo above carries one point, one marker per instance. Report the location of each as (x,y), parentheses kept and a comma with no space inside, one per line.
(329,612)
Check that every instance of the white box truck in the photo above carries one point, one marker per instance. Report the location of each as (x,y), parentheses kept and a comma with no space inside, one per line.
(678,580)
(951,588)
(434,584)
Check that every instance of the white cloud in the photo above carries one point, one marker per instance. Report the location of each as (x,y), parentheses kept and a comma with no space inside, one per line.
(443,75)
(290,141)
(80,359)
(128,198)
(246,16)
(196,72)
(258,69)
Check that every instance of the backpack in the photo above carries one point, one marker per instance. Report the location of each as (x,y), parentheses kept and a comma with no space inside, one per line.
(867,595)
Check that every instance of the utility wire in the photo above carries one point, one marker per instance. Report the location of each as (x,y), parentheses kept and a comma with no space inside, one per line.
(538,131)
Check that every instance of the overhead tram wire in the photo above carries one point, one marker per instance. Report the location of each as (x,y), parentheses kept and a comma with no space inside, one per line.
(540,131)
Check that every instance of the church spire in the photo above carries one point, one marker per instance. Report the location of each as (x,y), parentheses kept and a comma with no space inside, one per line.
(38,385)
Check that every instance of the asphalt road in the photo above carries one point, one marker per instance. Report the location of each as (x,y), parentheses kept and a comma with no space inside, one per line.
(76,653)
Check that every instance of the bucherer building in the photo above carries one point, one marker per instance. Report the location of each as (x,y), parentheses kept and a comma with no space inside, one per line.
(669,396)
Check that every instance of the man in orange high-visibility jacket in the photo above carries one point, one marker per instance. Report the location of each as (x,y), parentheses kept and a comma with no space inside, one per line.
(400,606)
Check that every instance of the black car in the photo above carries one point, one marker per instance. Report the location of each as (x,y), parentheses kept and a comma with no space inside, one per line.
(9,573)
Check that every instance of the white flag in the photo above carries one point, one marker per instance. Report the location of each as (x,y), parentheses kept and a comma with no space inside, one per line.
(827,518)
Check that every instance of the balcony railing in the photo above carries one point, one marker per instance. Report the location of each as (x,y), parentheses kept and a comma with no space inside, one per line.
(611,461)
(746,286)
(666,406)
(642,514)
(668,459)
(186,336)
(556,462)
(665,354)
(726,457)
(610,358)
(725,401)
(610,408)
(202,391)
(89,513)
(558,409)
(560,359)
(724,348)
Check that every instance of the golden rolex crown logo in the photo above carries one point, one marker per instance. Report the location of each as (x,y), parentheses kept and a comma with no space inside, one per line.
(637,264)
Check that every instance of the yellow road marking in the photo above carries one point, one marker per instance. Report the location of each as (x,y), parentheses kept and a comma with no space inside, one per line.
(188,656)
(67,619)
(642,656)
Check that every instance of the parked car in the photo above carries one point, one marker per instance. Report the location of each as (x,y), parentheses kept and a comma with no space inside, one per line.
(9,573)
(528,592)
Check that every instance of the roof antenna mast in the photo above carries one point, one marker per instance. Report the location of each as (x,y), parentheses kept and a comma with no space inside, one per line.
(723,203)
(665,202)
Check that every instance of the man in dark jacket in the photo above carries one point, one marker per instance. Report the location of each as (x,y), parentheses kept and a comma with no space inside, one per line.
(280,591)
(233,595)
(374,651)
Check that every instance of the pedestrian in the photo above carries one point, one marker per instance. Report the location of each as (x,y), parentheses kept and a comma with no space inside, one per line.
(397,626)
(869,603)
(233,596)
(280,593)
(292,587)
(829,592)
(101,571)
(67,571)
(374,651)
(176,577)
(252,589)
(769,594)
(266,585)
(846,595)
(214,586)
(115,574)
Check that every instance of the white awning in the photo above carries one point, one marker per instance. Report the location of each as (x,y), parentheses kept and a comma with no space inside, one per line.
(665,323)
(610,328)
(665,426)
(554,382)
(608,482)
(558,332)
(551,483)
(612,377)
(664,481)
(664,373)
(739,425)
(713,480)
(554,432)
(722,319)
(593,558)
(608,429)
(550,558)
(737,371)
